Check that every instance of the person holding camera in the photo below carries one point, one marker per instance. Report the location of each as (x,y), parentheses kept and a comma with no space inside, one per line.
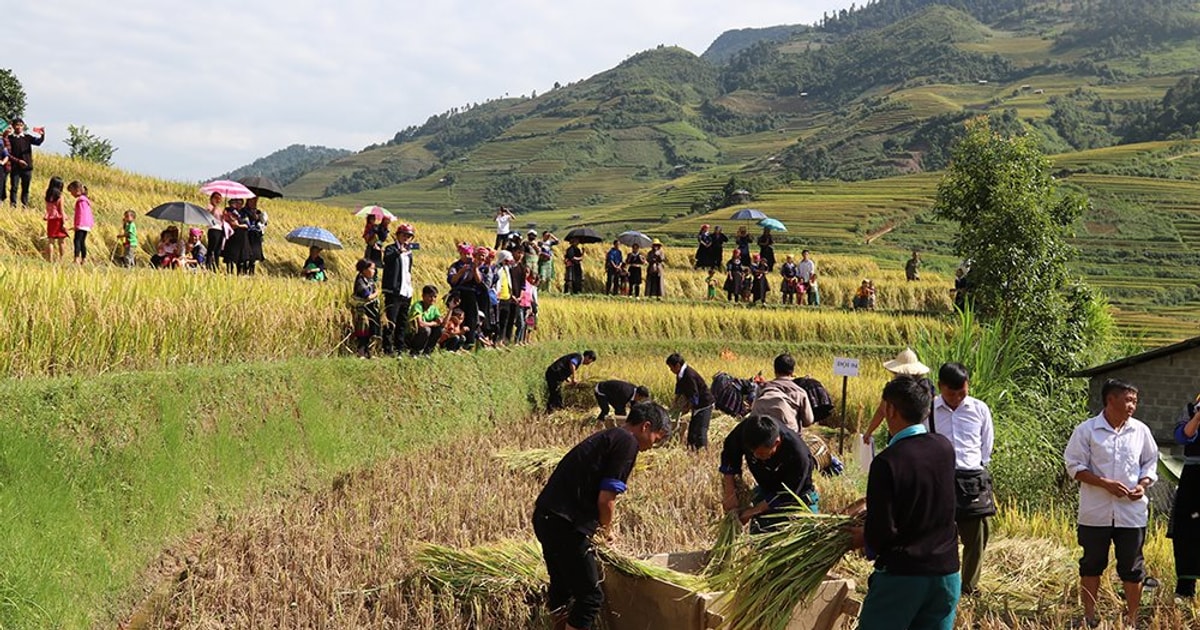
(504,218)
(21,160)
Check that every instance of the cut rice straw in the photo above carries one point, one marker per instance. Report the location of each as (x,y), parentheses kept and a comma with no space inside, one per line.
(504,568)
(639,569)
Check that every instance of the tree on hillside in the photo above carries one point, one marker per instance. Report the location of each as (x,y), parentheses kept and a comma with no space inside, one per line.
(12,96)
(85,145)
(1014,223)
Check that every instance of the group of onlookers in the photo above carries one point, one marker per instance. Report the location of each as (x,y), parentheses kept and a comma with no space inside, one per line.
(236,235)
(624,273)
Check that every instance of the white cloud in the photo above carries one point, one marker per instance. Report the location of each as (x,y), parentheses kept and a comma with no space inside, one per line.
(190,89)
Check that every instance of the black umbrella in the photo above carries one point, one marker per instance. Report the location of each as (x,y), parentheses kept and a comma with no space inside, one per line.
(183,212)
(585,235)
(262,186)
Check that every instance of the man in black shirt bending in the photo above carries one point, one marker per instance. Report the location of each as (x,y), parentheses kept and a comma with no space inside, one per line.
(563,370)
(778,460)
(692,394)
(910,527)
(619,395)
(579,499)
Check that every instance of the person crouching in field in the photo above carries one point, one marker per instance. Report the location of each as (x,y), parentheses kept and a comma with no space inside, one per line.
(1114,458)
(780,463)
(909,527)
(618,395)
(563,370)
(425,322)
(577,505)
(55,232)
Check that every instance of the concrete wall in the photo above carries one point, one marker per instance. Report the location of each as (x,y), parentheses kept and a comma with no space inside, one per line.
(1165,385)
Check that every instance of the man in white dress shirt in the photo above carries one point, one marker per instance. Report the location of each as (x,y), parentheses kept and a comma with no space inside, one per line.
(1113,456)
(967,423)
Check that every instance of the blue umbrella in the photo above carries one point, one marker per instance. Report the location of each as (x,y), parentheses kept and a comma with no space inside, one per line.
(748,214)
(311,236)
(773,224)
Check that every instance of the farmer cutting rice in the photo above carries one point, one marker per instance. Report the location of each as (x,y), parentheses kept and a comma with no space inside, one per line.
(619,395)
(579,501)
(562,371)
(780,462)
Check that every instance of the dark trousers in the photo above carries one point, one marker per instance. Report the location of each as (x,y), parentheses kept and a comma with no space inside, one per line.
(574,283)
(81,244)
(571,565)
(469,303)
(371,311)
(603,402)
(424,340)
(554,391)
(612,282)
(216,241)
(20,176)
(697,433)
(1127,543)
(974,533)
(509,312)
(395,307)
(501,239)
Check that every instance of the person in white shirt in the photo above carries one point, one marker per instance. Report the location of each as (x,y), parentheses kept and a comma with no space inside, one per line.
(1114,458)
(504,218)
(967,423)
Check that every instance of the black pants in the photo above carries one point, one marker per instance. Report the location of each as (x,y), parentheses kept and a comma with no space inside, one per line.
(424,340)
(1127,543)
(618,408)
(697,434)
(364,336)
(395,307)
(554,383)
(1184,531)
(507,324)
(20,176)
(574,282)
(81,244)
(612,282)
(571,564)
(469,303)
(216,240)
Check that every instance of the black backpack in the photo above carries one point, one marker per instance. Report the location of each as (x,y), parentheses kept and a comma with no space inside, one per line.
(732,395)
(818,397)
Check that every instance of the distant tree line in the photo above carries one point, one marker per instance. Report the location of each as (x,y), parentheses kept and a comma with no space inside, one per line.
(289,164)
(1176,116)
(875,14)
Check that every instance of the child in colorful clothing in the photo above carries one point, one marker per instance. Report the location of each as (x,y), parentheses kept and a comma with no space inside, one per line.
(712,284)
(129,237)
(425,322)
(84,221)
(529,307)
(366,306)
(791,281)
(814,292)
(55,233)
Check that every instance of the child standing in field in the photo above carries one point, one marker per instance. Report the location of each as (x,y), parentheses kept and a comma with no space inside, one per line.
(529,308)
(366,306)
(84,221)
(712,284)
(55,232)
(129,237)
(814,292)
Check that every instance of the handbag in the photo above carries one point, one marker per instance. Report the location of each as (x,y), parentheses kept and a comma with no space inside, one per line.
(973,494)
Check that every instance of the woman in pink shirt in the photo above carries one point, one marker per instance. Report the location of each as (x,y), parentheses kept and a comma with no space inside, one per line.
(83,219)
(55,233)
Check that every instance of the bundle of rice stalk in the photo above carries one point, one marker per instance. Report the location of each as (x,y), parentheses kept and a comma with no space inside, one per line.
(531,461)
(501,569)
(638,569)
(779,569)
(725,548)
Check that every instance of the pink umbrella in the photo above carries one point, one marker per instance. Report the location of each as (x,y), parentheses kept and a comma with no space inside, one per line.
(376,211)
(228,189)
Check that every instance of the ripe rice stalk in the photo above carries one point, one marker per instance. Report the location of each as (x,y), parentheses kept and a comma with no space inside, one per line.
(781,568)
(725,548)
(639,569)
(531,461)
(504,569)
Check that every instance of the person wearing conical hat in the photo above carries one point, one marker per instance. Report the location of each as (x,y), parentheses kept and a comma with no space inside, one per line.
(905,364)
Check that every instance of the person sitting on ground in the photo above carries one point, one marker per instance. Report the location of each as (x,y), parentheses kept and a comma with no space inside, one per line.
(618,394)
(577,506)
(425,322)
(194,251)
(454,331)
(314,265)
(909,527)
(563,370)
(782,399)
(168,249)
(864,298)
(780,463)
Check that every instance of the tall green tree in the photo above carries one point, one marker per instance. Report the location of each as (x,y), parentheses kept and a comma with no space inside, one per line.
(12,96)
(85,145)
(1014,221)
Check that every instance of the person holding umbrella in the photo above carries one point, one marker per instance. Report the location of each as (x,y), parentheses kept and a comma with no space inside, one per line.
(216,231)
(237,238)
(633,264)
(397,288)
(574,262)
(654,269)
(316,240)
(766,249)
(314,265)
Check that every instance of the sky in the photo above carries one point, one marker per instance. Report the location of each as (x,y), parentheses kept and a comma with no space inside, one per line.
(190,89)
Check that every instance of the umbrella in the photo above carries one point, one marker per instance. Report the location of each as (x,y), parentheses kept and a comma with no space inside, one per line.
(312,236)
(264,187)
(584,235)
(632,238)
(229,189)
(748,214)
(183,212)
(379,212)
(773,224)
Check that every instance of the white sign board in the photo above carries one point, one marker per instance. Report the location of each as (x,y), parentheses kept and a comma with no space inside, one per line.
(845,367)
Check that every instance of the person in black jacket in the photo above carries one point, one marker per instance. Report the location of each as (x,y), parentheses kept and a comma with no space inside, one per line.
(577,504)
(1185,525)
(909,528)
(21,157)
(563,370)
(397,288)
(692,394)
(618,394)
(779,461)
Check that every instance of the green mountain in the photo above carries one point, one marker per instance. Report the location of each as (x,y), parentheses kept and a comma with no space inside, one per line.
(287,165)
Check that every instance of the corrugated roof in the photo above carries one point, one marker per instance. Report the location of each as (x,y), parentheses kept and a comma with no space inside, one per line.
(1136,359)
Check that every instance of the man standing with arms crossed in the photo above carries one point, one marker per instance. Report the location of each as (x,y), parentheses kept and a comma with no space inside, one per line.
(1113,456)
(967,423)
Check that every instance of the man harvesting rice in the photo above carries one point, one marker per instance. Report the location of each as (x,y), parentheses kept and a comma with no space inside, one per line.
(909,527)
(579,499)
(778,459)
